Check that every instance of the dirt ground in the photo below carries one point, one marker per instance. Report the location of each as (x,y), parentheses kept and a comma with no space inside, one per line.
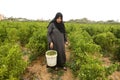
(116,74)
(38,70)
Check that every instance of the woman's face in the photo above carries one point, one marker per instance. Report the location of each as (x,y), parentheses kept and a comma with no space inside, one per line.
(58,20)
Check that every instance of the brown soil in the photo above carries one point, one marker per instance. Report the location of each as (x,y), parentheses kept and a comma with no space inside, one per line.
(115,75)
(38,71)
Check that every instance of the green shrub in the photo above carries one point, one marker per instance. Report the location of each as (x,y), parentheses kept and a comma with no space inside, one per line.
(116,31)
(3,33)
(85,56)
(82,41)
(12,35)
(11,63)
(117,54)
(25,32)
(94,29)
(37,44)
(106,41)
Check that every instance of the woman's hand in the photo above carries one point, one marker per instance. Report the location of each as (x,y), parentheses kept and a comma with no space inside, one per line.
(51,45)
(66,43)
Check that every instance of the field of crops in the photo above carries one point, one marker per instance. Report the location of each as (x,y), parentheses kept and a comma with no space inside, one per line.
(89,43)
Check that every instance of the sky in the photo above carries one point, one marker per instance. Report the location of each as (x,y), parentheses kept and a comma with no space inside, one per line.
(71,9)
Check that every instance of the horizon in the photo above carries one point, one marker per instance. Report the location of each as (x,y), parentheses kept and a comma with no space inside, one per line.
(63,20)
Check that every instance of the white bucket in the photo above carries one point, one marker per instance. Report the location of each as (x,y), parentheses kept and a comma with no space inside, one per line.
(51,59)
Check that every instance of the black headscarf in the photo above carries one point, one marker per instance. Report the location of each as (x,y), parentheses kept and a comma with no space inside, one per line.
(59,26)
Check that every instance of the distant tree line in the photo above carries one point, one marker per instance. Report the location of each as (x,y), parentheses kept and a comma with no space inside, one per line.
(82,20)
(85,20)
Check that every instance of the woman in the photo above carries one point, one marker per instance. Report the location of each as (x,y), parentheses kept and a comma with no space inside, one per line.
(57,39)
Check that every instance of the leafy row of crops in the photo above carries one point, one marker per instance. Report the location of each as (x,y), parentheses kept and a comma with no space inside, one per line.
(89,43)
(18,39)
